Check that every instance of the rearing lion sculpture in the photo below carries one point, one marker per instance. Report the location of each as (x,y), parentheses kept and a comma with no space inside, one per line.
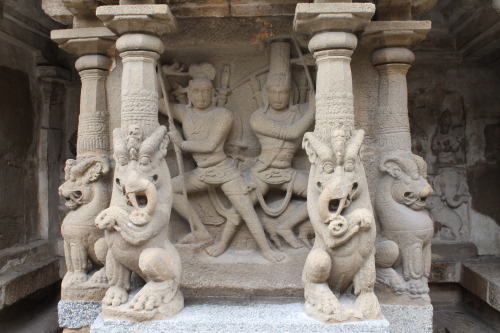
(404,256)
(86,194)
(340,212)
(136,227)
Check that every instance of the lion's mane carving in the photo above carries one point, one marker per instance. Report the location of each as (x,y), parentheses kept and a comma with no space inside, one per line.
(86,194)
(404,252)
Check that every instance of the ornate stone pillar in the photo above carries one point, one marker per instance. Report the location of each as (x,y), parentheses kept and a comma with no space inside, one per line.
(402,187)
(137,220)
(86,189)
(338,200)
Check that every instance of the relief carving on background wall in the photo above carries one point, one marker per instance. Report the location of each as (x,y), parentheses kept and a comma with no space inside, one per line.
(234,188)
(444,151)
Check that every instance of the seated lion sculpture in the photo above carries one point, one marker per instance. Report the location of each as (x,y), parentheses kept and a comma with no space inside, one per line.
(340,212)
(136,229)
(404,251)
(86,194)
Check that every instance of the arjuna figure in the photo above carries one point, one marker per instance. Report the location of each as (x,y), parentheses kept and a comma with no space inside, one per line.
(206,128)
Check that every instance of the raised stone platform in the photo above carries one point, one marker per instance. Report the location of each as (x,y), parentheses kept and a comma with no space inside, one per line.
(238,318)
(408,318)
(77,314)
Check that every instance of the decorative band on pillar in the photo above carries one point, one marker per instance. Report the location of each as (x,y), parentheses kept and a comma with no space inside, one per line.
(393,127)
(139,53)
(334,98)
(93,121)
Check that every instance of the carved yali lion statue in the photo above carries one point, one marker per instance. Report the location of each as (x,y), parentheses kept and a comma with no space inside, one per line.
(340,211)
(136,227)
(404,254)
(86,194)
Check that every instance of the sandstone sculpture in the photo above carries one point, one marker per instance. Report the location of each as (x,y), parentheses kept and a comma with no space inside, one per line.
(206,128)
(136,227)
(338,200)
(451,192)
(343,252)
(446,143)
(404,254)
(137,222)
(279,127)
(86,193)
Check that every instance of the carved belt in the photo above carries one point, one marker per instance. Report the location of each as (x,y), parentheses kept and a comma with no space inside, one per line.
(220,173)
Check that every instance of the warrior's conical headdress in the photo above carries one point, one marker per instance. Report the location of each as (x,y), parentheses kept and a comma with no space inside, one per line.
(279,64)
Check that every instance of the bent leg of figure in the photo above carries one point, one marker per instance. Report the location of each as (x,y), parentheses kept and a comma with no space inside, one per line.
(412,260)
(320,300)
(101,251)
(387,253)
(230,228)
(119,281)
(299,214)
(67,256)
(364,282)
(161,268)
(199,233)
(427,258)
(79,262)
(243,205)
(285,229)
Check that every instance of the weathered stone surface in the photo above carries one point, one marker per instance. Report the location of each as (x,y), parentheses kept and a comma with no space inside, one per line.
(253,317)
(78,314)
(18,284)
(409,318)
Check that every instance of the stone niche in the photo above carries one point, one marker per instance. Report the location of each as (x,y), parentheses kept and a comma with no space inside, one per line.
(239,50)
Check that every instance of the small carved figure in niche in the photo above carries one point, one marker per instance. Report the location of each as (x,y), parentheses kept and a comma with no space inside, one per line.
(446,142)
(404,252)
(343,251)
(86,194)
(451,191)
(279,127)
(206,128)
(136,229)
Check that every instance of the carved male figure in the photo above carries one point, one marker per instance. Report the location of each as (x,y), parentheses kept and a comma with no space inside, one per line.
(136,228)
(340,212)
(206,128)
(279,128)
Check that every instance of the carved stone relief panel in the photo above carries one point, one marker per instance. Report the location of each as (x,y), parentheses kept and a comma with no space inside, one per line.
(438,136)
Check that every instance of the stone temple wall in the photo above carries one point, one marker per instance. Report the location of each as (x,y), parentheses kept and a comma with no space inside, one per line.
(465,197)
(453,117)
(38,105)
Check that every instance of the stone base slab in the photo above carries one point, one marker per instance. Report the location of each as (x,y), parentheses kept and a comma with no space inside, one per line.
(408,318)
(252,317)
(77,314)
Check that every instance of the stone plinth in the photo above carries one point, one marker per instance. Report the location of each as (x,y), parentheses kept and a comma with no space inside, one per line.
(77,314)
(238,317)
(408,318)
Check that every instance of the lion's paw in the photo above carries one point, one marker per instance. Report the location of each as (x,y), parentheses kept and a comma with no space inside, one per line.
(115,296)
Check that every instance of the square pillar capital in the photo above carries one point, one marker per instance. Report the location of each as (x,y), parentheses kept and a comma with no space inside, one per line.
(149,19)
(311,18)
